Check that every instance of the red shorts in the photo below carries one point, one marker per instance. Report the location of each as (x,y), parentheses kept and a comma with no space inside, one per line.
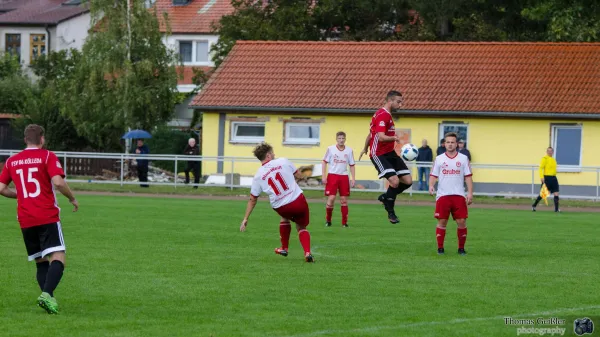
(455,204)
(296,211)
(337,182)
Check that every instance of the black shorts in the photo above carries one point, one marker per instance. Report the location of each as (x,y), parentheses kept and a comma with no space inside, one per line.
(551,183)
(390,164)
(43,240)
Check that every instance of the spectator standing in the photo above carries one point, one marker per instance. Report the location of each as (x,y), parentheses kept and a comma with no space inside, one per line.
(142,164)
(441,149)
(192,150)
(463,149)
(426,156)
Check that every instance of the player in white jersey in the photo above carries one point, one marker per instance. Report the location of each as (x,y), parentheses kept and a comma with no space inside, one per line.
(277,178)
(451,169)
(339,157)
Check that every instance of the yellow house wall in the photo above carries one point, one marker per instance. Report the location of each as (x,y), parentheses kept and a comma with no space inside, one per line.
(491,141)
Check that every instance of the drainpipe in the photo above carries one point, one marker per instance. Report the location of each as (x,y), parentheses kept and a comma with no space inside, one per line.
(49,45)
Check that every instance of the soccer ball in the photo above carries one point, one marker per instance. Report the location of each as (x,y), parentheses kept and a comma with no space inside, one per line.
(409,152)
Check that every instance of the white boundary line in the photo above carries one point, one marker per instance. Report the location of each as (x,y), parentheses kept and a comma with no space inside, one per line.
(452,321)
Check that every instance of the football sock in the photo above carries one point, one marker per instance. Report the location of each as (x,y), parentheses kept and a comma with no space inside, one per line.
(42,271)
(329,212)
(344,214)
(55,273)
(462,237)
(284,234)
(440,234)
(556,203)
(537,201)
(403,187)
(304,237)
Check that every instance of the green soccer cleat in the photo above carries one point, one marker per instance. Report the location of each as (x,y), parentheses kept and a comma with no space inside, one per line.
(48,303)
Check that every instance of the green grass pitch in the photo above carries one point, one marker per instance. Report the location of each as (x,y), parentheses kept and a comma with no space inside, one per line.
(178,267)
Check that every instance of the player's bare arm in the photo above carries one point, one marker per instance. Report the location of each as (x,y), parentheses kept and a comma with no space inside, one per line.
(7,192)
(324,174)
(386,139)
(432,181)
(62,186)
(469,181)
(366,147)
(298,175)
(353,173)
(249,208)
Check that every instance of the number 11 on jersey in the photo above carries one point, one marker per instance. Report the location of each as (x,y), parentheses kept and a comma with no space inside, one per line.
(284,187)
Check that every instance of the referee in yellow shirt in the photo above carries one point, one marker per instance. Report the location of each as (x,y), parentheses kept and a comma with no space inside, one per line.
(548,177)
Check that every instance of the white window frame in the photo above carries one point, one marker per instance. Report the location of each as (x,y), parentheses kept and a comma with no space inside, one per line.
(441,132)
(195,51)
(245,139)
(300,141)
(554,136)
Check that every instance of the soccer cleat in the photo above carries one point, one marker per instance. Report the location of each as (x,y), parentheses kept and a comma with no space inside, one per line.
(461,251)
(557,211)
(393,218)
(281,251)
(386,203)
(48,303)
(345,225)
(441,251)
(309,258)
(533,208)
(328,224)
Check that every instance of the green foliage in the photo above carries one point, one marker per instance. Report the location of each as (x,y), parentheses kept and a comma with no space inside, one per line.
(169,141)
(576,21)
(126,77)
(9,66)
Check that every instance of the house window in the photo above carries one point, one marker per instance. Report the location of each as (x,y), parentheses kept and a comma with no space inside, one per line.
(202,51)
(37,46)
(462,130)
(247,132)
(185,51)
(302,133)
(566,141)
(13,45)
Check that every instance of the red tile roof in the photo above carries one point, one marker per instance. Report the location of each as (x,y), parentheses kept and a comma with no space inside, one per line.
(477,77)
(195,17)
(188,73)
(39,12)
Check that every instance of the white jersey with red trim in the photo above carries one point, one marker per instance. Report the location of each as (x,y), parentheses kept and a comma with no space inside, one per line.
(276,179)
(339,160)
(451,173)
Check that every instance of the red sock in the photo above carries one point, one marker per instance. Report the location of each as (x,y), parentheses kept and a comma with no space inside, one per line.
(440,234)
(462,237)
(304,237)
(329,211)
(344,214)
(284,234)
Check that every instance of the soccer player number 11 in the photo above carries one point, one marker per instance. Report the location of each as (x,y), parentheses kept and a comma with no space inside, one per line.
(30,179)
(281,182)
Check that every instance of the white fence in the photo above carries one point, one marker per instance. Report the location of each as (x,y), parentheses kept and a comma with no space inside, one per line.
(590,191)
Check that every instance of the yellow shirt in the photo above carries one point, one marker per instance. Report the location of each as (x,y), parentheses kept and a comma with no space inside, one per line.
(547,166)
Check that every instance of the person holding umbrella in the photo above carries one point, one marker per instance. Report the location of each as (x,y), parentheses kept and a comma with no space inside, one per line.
(142,164)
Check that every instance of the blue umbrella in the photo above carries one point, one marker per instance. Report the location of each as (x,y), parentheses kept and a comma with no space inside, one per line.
(137,134)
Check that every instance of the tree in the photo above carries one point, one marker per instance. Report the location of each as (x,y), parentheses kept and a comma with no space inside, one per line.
(126,76)
(14,85)
(574,21)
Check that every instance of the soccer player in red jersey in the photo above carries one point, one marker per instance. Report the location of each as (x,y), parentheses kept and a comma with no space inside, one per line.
(36,172)
(339,157)
(381,142)
(451,169)
(277,178)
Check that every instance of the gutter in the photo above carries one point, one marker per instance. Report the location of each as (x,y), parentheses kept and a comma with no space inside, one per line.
(49,49)
(245,109)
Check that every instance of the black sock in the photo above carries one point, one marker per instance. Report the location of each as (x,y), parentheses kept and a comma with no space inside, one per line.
(42,271)
(537,201)
(55,273)
(391,193)
(556,203)
(403,187)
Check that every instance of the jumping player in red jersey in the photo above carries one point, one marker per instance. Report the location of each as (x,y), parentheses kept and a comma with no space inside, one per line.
(36,172)
(451,170)
(339,157)
(277,178)
(381,142)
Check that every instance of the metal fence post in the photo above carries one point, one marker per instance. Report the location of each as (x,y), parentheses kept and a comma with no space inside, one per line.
(176,174)
(65,164)
(122,169)
(232,162)
(597,184)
